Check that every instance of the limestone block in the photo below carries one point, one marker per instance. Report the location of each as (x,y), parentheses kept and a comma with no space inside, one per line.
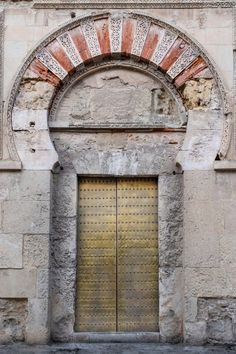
(170,209)
(199,186)
(227,248)
(201,93)
(65,195)
(170,186)
(36,251)
(26,185)
(170,243)
(63,241)
(30,119)
(219,315)
(38,140)
(195,332)
(205,120)
(190,309)
(18,283)
(203,225)
(30,185)
(225,186)
(11,251)
(118,153)
(206,282)
(13,314)
(171,305)
(35,150)
(201,145)
(63,294)
(43,283)
(37,327)
(34,94)
(30,217)
(38,160)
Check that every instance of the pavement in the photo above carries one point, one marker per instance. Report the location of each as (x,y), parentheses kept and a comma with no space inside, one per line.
(115,348)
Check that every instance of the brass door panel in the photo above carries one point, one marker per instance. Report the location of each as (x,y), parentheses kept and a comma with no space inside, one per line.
(137,255)
(96,266)
(117,277)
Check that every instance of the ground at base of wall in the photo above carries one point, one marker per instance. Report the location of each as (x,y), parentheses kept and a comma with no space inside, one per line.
(115,348)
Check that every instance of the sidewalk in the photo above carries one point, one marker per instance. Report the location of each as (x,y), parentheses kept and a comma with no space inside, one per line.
(114,348)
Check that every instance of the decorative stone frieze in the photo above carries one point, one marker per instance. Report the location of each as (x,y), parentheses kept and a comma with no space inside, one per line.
(68,45)
(153,4)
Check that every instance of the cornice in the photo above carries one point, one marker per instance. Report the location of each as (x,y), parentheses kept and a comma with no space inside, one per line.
(132,4)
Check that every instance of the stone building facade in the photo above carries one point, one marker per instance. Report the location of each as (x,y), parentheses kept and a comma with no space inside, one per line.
(101,92)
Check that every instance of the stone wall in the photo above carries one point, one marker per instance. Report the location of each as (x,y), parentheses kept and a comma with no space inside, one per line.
(196,201)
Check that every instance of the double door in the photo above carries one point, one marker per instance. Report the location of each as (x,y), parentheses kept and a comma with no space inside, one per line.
(117,265)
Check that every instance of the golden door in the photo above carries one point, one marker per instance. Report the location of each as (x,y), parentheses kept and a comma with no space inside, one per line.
(117,269)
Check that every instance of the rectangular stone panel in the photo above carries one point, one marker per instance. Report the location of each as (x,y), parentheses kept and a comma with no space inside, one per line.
(11,251)
(18,283)
(26,217)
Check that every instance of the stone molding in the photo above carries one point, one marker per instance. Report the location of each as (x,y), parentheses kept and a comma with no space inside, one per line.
(131,4)
(103,41)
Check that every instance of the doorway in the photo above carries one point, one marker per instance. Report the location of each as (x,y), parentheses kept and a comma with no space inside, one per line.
(117,262)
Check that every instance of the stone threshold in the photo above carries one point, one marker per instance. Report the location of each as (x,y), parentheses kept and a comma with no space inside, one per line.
(115,337)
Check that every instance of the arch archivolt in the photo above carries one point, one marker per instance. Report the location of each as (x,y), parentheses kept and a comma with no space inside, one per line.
(135,40)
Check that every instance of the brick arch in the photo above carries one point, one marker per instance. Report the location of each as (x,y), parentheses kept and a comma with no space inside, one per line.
(91,40)
(130,35)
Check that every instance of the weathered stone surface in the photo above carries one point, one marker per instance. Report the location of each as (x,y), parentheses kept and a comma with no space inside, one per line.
(171,303)
(17,283)
(203,226)
(31,119)
(37,327)
(34,94)
(219,315)
(202,140)
(115,348)
(43,283)
(30,217)
(36,251)
(200,186)
(207,282)
(63,294)
(195,332)
(11,251)
(13,314)
(200,93)
(117,96)
(65,195)
(118,153)
(63,241)
(26,185)
(170,209)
